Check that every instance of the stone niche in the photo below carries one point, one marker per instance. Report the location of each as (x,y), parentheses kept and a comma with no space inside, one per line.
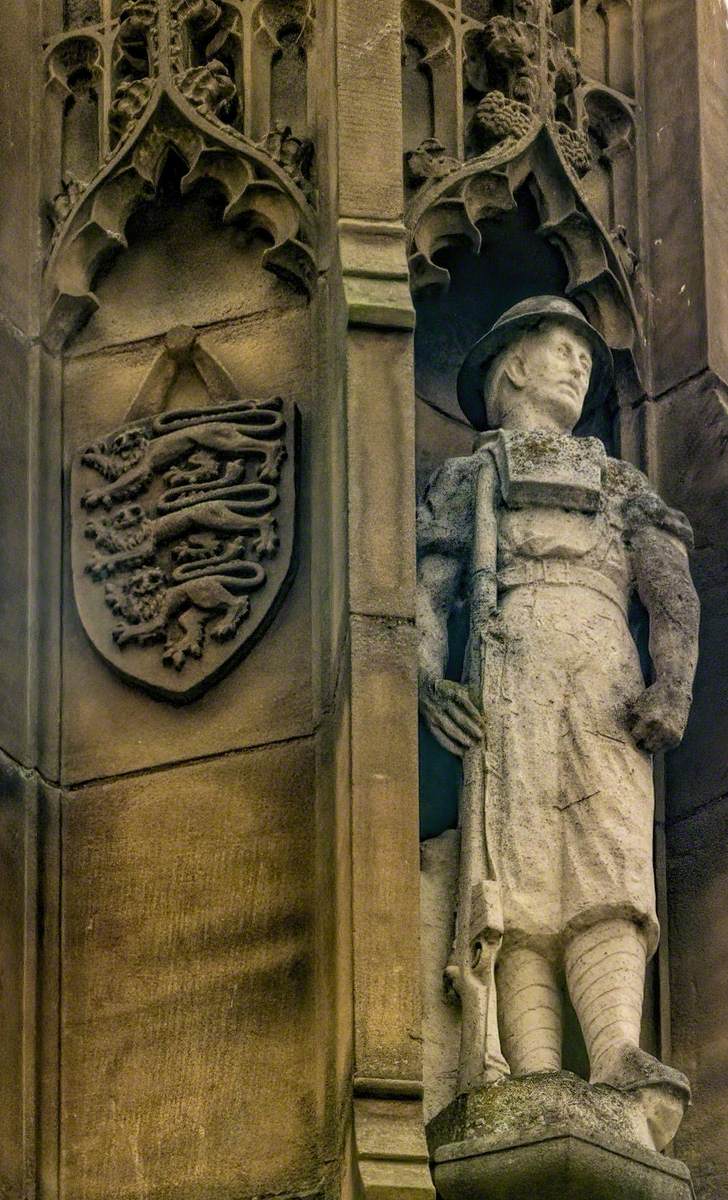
(521,179)
(225,844)
(194,1003)
(572,1139)
(184,268)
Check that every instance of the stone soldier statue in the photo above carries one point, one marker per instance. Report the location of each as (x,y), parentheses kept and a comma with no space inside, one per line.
(549,538)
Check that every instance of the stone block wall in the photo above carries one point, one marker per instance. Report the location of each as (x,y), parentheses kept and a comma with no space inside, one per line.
(209,912)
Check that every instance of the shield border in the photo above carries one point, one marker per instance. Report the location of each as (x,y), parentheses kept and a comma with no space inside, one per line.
(89,608)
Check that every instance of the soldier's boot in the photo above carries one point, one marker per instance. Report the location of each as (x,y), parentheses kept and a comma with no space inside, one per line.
(605,973)
(529,1011)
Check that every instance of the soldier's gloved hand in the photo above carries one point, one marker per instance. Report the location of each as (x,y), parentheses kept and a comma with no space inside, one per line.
(658,717)
(451,715)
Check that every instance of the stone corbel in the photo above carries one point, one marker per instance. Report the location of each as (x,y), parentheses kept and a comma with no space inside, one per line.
(392,1159)
(375,275)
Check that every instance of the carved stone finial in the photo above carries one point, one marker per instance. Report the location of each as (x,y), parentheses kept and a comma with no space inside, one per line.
(180,340)
(202,14)
(498,119)
(525,74)
(63,202)
(209,88)
(575,147)
(293,153)
(130,99)
(429,161)
(628,257)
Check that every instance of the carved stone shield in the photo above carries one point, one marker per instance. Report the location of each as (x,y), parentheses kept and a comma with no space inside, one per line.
(183,528)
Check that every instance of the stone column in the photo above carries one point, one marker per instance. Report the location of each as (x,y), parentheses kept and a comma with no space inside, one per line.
(391,1152)
(686,421)
(29,508)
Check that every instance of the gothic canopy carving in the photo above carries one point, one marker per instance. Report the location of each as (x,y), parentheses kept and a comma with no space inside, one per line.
(168,75)
(526,113)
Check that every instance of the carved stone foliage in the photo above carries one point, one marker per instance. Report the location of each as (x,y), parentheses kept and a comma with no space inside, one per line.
(165,76)
(513,74)
(183,526)
(293,153)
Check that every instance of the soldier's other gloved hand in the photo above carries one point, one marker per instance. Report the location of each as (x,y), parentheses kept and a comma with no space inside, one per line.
(451,715)
(658,717)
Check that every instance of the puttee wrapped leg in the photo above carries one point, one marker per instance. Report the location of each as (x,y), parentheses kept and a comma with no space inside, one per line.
(529,1011)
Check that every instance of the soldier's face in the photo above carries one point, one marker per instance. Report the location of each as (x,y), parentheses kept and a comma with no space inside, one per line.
(556,365)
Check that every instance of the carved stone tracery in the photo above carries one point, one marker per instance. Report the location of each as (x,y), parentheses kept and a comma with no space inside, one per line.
(528,115)
(168,76)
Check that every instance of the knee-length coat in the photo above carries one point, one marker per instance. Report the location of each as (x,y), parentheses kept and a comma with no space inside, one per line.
(569,804)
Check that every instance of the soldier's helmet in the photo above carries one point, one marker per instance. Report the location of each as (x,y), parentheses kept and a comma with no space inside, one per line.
(527,315)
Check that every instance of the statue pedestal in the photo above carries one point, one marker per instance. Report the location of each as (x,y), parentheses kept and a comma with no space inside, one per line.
(553,1137)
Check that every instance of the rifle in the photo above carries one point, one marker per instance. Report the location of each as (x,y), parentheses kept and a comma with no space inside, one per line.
(479,927)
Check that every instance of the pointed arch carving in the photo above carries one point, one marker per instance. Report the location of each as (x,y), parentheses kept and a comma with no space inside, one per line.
(281,33)
(530,119)
(450,211)
(611,184)
(429,51)
(170,89)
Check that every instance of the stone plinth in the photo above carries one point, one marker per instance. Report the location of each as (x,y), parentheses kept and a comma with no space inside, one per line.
(550,1136)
